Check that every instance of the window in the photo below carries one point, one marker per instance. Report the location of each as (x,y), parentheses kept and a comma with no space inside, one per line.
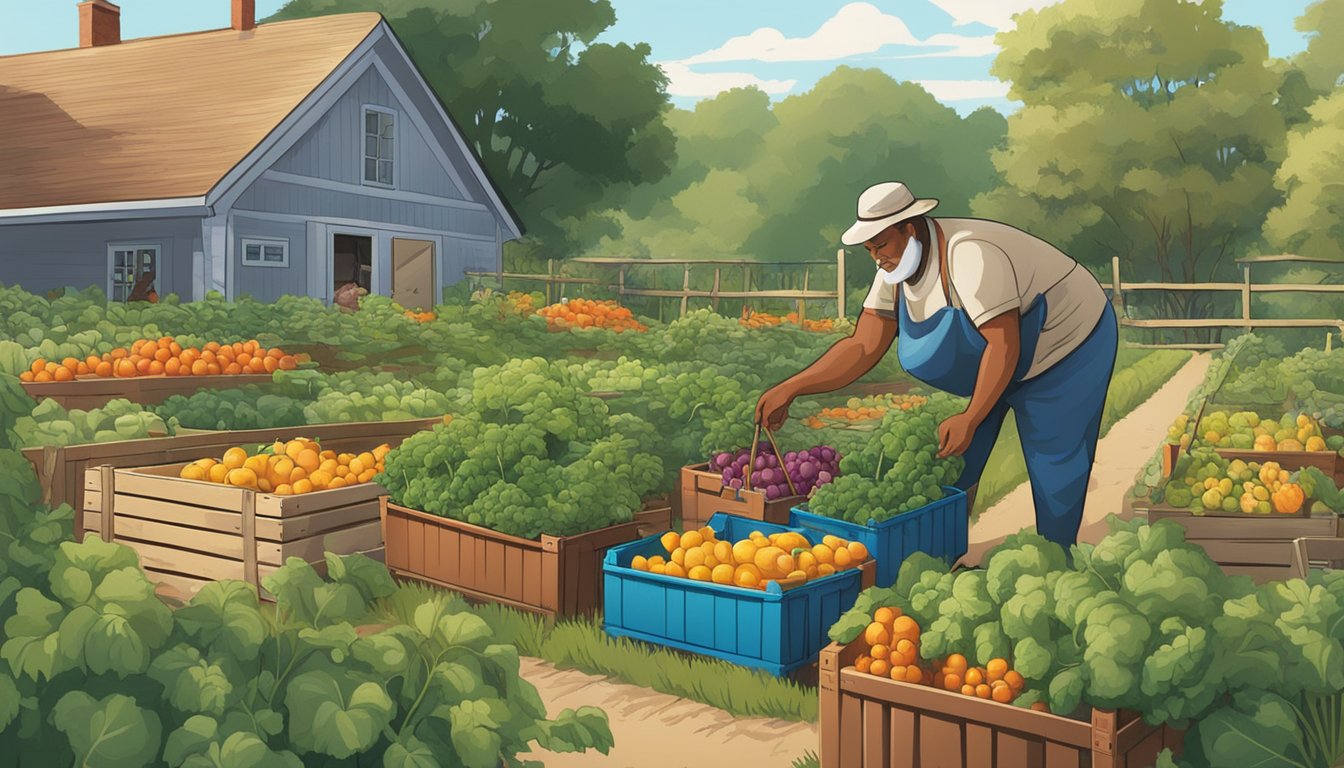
(265,253)
(132,271)
(379,151)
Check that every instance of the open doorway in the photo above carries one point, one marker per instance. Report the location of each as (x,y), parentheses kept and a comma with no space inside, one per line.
(352,262)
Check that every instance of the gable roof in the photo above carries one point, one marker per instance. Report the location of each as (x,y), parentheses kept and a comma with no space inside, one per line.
(157,118)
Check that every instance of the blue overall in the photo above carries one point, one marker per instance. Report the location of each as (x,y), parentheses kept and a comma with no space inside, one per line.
(1058,411)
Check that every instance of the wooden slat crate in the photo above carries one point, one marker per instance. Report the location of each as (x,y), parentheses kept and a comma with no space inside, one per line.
(555,576)
(1329,462)
(874,722)
(703,494)
(95,392)
(189,533)
(1262,547)
(61,470)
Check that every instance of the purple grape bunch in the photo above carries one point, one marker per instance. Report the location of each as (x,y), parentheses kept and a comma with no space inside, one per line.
(808,469)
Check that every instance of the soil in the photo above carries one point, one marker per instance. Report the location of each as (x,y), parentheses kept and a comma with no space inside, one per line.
(1121,453)
(655,730)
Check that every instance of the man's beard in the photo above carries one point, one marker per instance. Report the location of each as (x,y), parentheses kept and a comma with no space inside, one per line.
(907,266)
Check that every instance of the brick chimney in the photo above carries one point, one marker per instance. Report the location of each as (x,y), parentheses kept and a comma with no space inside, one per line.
(99,23)
(244,15)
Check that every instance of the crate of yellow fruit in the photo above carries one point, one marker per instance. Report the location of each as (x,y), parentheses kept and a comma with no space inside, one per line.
(746,591)
(242,514)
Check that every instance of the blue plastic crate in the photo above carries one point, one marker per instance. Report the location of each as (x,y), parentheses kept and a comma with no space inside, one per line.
(776,630)
(940,529)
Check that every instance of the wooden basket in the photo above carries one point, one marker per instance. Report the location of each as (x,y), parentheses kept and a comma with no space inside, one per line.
(874,722)
(189,533)
(61,470)
(554,576)
(703,493)
(1262,547)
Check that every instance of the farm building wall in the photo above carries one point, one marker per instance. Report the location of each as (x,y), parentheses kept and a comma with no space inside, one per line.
(268,283)
(45,257)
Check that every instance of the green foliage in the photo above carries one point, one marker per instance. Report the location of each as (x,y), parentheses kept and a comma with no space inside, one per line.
(246,407)
(120,419)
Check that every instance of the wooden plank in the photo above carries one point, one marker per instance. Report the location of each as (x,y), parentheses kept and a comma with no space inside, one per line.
(1247,527)
(904,741)
(955,705)
(1016,751)
(133,483)
(1230,323)
(289,529)
(171,513)
(1261,573)
(851,731)
(175,586)
(181,561)
(107,522)
(876,735)
(979,744)
(829,662)
(249,536)
(355,538)
(269,505)
(1259,553)
(207,542)
(1059,756)
(394,535)
(940,744)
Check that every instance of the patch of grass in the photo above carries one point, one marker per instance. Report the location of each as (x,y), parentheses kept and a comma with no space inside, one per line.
(1138,374)
(582,645)
(808,760)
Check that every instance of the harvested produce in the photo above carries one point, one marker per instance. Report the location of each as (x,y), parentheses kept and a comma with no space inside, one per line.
(1206,482)
(753,319)
(753,562)
(891,643)
(864,409)
(807,469)
(590,313)
(1247,431)
(288,468)
(421,317)
(166,357)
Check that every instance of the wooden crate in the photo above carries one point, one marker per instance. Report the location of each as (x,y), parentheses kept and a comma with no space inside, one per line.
(703,494)
(1329,462)
(555,576)
(189,533)
(87,392)
(874,722)
(1262,547)
(61,469)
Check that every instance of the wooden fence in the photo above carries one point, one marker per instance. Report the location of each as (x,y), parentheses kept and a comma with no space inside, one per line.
(617,271)
(1246,288)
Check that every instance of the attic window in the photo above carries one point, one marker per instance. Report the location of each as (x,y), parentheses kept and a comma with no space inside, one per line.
(380,129)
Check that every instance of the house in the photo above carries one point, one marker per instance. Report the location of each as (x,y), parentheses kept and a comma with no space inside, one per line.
(285,158)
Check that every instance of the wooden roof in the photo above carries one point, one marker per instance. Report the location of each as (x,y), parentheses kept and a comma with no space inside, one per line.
(157,118)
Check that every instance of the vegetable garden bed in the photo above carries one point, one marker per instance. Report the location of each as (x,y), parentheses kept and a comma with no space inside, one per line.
(1263,548)
(61,470)
(189,533)
(703,494)
(778,629)
(94,392)
(869,721)
(555,576)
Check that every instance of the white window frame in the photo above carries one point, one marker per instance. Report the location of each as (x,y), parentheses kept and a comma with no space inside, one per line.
(396,144)
(112,249)
(262,242)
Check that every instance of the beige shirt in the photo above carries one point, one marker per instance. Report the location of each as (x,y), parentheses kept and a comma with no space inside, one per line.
(994,268)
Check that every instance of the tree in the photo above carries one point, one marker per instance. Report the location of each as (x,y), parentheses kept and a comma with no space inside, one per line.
(1311,220)
(1148,132)
(555,117)
(1323,60)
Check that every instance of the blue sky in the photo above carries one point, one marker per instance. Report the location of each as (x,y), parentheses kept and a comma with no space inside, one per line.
(782,46)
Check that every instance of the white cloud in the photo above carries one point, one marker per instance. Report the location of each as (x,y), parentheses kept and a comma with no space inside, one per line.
(965,90)
(994,13)
(682,81)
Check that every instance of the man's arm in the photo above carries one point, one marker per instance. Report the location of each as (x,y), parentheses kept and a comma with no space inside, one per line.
(1003,347)
(841,365)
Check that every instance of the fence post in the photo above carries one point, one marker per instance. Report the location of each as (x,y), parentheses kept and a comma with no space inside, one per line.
(802,303)
(1246,297)
(620,284)
(840,283)
(550,276)
(715,291)
(685,288)
(1117,301)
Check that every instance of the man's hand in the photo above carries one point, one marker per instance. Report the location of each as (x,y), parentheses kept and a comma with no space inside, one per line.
(773,407)
(955,434)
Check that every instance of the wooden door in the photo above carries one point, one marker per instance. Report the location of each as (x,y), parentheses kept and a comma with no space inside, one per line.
(413,273)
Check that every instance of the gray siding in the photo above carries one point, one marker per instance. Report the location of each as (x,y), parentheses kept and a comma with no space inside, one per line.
(278,197)
(465,255)
(333,149)
(45,257)
(270,283)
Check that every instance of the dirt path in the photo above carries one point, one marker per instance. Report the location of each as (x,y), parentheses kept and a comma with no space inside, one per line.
(655,730)
(1120,455)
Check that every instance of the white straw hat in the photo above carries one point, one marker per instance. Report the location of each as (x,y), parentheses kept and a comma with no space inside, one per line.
(882,205)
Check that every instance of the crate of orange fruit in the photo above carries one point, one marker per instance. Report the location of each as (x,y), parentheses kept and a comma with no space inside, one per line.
(150,371)
(242,513)
(746,591)
(881,704)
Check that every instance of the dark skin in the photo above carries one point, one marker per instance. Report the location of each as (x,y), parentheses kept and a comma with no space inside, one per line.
(849,359)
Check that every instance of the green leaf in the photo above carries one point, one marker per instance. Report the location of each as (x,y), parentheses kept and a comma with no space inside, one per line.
(410,752)
(1032,658)
(226,616)
(473,734)
(1066,690)
(336,639)
(577,731)
(336,718)
(386,652)
(113,732)
(191,683)
(192,737)
(1257,731)
(34,645)
(367,575)
(113,645)
(461,678)
(462,628)
(81,567)
(9,701)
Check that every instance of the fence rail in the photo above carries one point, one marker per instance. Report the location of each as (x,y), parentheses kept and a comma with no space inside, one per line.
(1246,288)
(553,278)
